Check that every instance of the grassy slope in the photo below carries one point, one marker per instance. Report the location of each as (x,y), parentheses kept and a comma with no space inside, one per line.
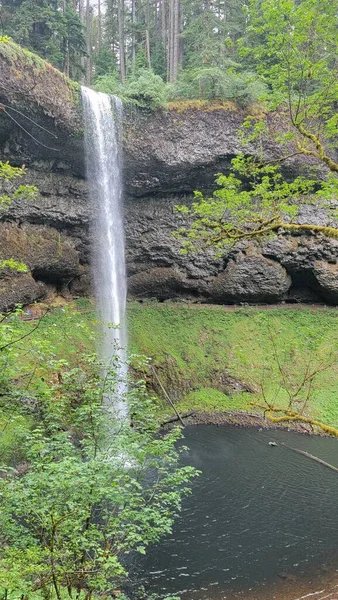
(200,344)
(193,347)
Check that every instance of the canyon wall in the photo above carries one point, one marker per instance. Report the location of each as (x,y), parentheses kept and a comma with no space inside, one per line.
(168,155)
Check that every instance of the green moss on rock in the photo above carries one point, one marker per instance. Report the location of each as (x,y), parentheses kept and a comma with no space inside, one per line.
(25,78)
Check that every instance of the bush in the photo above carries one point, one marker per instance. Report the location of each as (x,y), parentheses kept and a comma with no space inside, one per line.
(246,88)
(148,90)
(145,89)
(214,83)
(91,489)
(109,84)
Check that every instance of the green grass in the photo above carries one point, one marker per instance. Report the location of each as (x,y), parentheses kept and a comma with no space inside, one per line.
(195,348)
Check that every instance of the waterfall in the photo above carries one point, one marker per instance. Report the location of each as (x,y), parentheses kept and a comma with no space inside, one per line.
(103,149)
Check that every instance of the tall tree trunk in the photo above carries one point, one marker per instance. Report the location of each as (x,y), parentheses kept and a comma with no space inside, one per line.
(180,41)
(147,34)
(81,13)
(81,10)
(171,40)
(176,39)
(164,30)
(133,36)
(120,11)
(89,44)
(65,44)
(99,25)
(148,49)
(163,22)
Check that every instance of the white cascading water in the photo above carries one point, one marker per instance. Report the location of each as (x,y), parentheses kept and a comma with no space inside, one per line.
(103,147)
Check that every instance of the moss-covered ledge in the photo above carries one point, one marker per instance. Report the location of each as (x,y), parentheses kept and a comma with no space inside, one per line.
(30,84)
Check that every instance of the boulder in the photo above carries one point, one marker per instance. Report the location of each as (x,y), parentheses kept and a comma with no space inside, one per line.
(48,254)
(251,279)
(326,276)
(160,283)
(19,288)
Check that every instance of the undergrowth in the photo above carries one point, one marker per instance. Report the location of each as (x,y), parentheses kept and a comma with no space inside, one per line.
(199,104)
(202,354)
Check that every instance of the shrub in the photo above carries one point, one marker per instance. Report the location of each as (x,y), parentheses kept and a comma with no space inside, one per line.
(146,89)
(109,84)
(246,88)
(214,83)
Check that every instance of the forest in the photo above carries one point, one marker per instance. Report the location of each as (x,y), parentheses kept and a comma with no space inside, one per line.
(175,49)
(168,298)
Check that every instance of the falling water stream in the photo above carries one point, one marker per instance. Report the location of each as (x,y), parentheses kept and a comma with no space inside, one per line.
(103,129)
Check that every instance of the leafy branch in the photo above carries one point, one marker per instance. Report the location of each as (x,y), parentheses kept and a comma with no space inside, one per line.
(253,202)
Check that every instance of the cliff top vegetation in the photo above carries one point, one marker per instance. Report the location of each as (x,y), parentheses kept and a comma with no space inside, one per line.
(27,79)
(151,53)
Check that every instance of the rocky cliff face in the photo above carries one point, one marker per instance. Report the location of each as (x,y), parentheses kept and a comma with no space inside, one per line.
(167,156)
(52,235)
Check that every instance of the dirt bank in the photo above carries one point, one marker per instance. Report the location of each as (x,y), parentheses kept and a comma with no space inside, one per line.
(241,419)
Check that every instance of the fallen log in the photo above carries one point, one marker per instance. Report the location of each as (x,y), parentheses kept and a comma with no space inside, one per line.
(315,458)
(176,418)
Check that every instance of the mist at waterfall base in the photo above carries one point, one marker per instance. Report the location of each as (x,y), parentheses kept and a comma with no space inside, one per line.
(103,149)
(261,522)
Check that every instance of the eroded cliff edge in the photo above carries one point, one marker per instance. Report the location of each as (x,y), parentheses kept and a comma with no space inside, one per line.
(168,154)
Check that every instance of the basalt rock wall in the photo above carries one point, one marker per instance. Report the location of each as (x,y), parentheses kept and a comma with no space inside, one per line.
(168,154)
(52,236)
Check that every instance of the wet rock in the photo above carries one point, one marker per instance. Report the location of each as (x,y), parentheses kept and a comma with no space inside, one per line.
(230,385)
(170,151)
(62,206)
(302,294)
(150,225)
(19,288)
(300,253)
(49,255)
(161,283)
(82,284)
(326,275)
(251,279)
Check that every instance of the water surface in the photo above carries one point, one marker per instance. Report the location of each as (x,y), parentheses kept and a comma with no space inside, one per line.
(260,520)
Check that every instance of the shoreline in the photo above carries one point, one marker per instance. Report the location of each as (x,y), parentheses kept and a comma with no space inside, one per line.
(241,419)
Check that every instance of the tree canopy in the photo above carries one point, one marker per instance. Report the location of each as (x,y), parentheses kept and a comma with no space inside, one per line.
(293,46)
(51,28)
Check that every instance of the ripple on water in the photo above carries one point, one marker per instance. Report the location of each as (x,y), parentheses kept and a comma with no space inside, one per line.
(261,524)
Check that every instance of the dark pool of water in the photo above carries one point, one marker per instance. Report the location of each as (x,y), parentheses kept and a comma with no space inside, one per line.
(258,516)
